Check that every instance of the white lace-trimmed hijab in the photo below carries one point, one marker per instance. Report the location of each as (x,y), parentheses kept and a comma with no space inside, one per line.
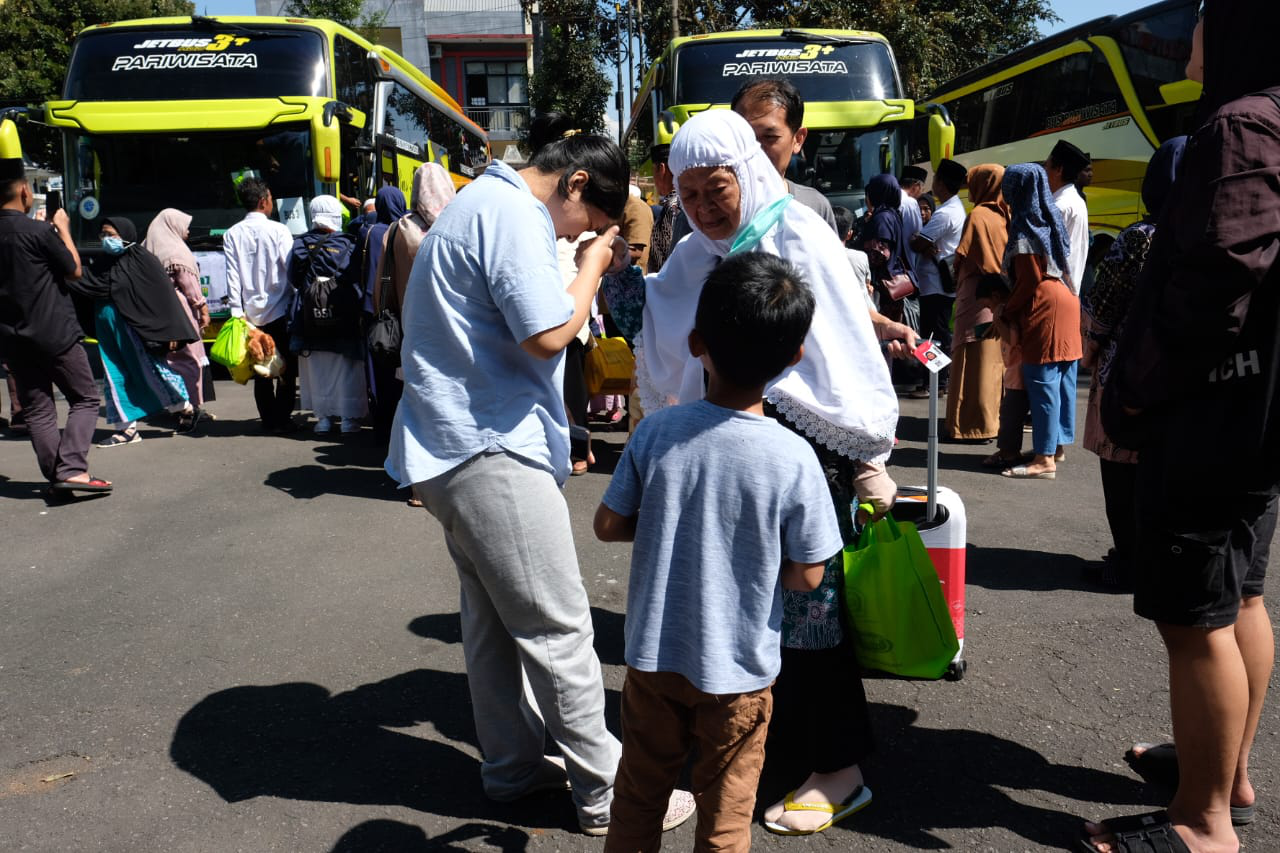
(839,394)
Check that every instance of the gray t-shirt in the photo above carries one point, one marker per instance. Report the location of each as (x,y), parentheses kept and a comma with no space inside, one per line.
(723,498)
(817,202)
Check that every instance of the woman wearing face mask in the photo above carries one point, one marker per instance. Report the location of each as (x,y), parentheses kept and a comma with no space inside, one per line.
(481,435)
(138,323)
(167,240)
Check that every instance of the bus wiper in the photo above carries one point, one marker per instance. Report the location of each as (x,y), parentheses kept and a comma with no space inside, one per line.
(817,38)
(214,23)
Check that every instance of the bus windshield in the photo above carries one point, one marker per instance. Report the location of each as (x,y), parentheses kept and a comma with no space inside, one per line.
(840,162)
(137,175)
(188,64)
(711,72)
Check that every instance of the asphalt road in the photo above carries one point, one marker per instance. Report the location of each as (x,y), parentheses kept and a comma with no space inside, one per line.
(254,646)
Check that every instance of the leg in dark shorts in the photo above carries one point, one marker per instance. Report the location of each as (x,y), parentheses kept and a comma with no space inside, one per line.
(1196,558)
(1203,545)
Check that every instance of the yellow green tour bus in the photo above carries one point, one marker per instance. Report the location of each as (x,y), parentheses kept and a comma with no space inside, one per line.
(174,112)
(858,118)
(1116,87)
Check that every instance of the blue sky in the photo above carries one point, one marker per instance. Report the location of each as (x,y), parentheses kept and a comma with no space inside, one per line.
(1071,11)
(1075,12)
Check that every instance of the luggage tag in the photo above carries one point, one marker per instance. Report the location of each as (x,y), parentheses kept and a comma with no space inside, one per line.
(931,356)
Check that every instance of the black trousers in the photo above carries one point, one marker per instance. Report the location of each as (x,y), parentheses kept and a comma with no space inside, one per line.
(277,397)
(386,392)
(61,454)
(1014,408)
(1120,493)
(935,321)
(576,399)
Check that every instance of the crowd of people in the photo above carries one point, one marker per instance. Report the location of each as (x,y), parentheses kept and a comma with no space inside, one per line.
(770,333)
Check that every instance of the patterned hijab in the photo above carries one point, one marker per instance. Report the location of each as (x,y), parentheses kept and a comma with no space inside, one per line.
(1035,225)
(167,240)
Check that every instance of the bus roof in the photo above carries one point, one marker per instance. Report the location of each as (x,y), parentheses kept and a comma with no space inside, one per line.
(1105,25)
(329,28)
(865,35)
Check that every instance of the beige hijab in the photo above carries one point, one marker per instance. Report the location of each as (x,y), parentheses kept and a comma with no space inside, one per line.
(167,240)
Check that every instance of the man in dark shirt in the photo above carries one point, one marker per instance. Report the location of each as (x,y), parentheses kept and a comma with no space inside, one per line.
(39,333)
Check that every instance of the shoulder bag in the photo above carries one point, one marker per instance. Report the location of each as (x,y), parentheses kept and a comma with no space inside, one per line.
(386,334)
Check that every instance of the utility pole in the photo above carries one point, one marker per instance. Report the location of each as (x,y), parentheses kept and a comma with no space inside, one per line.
(617,14)
(675,19)
(640,34)
(631,64)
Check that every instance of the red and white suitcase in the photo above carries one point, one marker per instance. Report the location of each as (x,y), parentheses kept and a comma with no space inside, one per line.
(944,538)
(938,513)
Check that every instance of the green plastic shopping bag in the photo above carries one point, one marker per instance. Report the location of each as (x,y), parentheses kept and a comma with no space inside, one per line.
(894,601)
(230,348)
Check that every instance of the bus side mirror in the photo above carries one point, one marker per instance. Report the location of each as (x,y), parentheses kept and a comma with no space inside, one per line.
(326,142)
(942,138)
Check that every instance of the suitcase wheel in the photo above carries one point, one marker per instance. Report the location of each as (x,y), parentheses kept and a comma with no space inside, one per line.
(956,670)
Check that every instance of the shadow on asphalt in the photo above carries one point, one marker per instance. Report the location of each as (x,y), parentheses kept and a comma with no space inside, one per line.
(610,640)
(298,741)
(1039,571)
(305,482)
(931,779)
(392,836)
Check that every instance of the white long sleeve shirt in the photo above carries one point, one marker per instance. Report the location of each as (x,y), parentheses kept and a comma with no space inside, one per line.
(1075,216)
(257,251)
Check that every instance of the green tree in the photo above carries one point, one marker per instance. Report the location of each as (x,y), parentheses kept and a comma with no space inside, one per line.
(349,13)
(566,76)
(35,47)
(933,40)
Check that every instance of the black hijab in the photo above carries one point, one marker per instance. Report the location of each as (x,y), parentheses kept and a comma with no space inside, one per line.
(141,290)
(884,197)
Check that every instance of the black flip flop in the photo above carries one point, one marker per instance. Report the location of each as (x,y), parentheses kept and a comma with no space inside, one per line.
(93,485)
(1158,763)
(1138,833)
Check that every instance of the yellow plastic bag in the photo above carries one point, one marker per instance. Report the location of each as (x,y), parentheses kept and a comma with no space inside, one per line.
(610,367)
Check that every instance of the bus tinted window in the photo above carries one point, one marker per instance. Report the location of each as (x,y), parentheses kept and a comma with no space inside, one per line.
(1076,89)
(413,119)
(353,75)
(1156,50)
(711,72)
(407,119)
(179,64)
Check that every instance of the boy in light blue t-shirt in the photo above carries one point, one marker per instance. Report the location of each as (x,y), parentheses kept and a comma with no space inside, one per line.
(726,507)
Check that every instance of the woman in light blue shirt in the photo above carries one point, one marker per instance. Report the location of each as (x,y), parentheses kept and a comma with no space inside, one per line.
(481,435)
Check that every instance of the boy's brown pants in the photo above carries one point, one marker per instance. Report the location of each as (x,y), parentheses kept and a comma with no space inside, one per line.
(664,718)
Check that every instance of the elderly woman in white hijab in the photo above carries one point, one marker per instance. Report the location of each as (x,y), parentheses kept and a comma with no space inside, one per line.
(167,240)
(839,397)
(330,369)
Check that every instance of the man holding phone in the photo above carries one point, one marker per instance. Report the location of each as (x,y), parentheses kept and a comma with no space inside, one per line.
(39,334)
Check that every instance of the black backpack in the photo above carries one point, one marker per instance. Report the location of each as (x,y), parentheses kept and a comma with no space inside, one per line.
(331,308)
